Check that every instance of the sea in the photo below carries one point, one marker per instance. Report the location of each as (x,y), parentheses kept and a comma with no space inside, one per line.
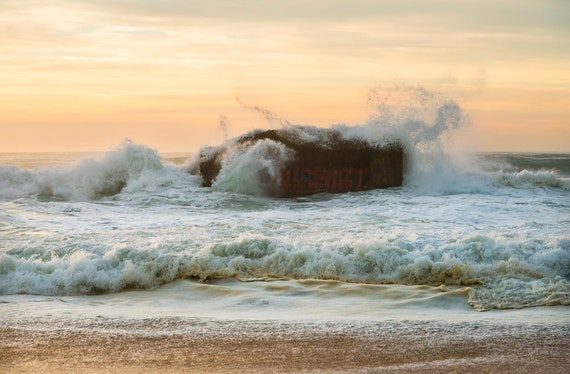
(131,234)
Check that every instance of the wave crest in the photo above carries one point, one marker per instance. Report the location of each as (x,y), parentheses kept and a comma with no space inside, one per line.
(255,170)
(88,179)
(499,273)
(526,179)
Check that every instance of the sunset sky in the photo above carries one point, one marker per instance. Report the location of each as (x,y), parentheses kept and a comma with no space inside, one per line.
(82,75)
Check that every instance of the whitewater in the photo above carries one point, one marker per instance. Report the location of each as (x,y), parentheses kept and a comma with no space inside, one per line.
(133,234)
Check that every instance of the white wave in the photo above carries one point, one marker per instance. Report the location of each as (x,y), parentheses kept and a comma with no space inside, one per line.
(502,272)
(87,179)
(526,179)
(255,170)
(16,182)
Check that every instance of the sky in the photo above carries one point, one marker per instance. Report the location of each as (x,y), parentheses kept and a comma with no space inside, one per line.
(82,75)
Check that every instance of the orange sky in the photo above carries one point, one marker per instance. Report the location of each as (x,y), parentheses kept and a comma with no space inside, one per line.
(83,75)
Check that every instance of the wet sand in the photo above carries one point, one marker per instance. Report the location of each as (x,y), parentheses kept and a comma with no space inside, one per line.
(155,345)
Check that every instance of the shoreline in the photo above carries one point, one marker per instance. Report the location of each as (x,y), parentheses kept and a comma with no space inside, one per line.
(208,346)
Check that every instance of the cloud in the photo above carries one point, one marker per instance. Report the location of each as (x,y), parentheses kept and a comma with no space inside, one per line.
(364,29)
(253,10)
(255,45)
(467,15)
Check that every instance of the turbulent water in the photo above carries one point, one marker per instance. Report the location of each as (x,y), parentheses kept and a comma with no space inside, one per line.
(492,227)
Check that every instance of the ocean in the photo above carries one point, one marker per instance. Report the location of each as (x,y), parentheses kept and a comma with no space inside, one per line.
(113,241)
(490,234)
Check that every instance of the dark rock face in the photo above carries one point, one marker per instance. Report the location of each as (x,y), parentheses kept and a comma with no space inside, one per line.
(324,161)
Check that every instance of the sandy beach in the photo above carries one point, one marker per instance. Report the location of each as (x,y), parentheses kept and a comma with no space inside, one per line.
(246,346)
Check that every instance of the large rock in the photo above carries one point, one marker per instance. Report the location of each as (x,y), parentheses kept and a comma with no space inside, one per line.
(323,161)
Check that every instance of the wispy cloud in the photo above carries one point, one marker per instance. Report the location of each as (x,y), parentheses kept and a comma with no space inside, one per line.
(171,56)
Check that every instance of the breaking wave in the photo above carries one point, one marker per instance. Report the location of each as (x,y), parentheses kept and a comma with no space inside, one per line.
(499,272)
(254,170)
(532,179)
(88,179)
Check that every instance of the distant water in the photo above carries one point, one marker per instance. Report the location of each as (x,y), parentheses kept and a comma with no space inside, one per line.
(34,160)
